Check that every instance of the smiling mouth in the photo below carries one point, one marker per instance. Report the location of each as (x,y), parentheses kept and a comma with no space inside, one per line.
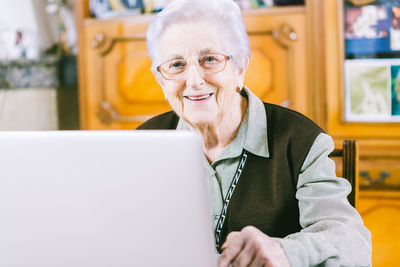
(198,98)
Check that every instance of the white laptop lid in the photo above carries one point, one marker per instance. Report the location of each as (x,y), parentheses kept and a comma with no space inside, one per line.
(117,198)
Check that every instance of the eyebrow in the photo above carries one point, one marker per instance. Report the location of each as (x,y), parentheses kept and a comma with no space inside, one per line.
(207,51)
(202,52)
(176,56)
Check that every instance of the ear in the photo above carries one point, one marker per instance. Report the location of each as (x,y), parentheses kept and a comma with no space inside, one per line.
(242,71)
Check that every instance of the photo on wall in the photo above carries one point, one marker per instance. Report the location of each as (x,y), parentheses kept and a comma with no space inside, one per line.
(367,22)
(395,74)
(395,28)
(372,30)
(367,29)
(371,90)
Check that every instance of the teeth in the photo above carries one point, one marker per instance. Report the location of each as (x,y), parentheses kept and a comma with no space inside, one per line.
(198,98)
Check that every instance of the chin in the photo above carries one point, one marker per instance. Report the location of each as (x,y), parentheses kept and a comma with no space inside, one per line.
(199,120)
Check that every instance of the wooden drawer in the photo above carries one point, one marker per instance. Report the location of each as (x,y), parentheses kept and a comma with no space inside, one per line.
(379,165)
(380,173)
(376,173)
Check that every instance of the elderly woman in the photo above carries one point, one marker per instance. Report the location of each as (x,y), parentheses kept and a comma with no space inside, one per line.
(276,200)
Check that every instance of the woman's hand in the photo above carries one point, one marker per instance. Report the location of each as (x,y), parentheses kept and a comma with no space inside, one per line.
(251,247)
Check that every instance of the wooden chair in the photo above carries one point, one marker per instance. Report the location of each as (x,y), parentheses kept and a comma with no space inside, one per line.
(350,157)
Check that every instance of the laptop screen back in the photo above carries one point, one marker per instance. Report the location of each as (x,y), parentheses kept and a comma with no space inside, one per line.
(119,198)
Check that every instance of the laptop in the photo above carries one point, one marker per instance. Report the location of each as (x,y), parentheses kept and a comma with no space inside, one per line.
(104,198)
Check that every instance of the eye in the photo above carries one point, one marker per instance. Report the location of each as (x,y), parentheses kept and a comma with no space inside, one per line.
(209,59)
(176,64)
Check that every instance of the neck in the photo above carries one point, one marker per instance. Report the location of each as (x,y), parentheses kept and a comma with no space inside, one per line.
(218,135)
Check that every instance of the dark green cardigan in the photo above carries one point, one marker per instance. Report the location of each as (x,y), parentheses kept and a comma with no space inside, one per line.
(265,194)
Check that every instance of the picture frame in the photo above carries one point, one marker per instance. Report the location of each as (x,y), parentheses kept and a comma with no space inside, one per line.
(367,29)
(372,90)
(372,30)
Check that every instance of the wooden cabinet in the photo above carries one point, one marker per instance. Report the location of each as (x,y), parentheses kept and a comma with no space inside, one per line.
(118,90)
(379,202)
(278,71)
(379,142)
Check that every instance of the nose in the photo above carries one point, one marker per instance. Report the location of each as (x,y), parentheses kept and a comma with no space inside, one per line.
(194,77)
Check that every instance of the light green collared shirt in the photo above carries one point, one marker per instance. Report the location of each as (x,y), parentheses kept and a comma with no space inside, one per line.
(333,232)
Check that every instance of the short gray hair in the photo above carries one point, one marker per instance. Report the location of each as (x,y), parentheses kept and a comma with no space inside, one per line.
(225,12)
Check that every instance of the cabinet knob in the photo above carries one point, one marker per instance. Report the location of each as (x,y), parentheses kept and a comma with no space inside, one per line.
(288,32)
(98,40)
(107,114)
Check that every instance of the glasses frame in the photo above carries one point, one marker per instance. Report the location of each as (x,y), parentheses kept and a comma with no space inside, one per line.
(226,58)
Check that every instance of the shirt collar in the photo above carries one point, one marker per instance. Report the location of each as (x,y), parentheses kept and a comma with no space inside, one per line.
(257,138)
(253,129)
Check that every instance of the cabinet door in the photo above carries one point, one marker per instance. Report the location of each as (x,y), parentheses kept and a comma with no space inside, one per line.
(381,213)
(277,71)
(120,90)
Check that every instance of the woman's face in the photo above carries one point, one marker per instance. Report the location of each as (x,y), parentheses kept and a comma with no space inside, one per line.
(200,99)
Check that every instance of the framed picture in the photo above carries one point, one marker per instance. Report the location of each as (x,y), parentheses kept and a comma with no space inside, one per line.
(367,29)
(104,9)
(372,89)
(372,30)
(395,75)
(395,28)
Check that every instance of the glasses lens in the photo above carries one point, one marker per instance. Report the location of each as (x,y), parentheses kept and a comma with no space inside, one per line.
(173,67)
(211,63)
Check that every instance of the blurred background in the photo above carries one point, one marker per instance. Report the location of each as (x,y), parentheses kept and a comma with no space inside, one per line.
(38,74)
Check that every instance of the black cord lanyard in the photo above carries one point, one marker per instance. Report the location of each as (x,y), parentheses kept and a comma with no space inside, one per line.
(227,199)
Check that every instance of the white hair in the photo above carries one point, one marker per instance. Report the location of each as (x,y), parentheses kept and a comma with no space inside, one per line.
(226,13)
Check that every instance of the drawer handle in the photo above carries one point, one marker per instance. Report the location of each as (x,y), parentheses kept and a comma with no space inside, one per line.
(382,177)
(108,114)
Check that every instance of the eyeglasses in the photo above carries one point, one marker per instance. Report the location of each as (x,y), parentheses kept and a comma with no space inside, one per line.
(175,69)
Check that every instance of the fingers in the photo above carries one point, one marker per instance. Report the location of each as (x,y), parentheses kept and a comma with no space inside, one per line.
(259,261)
(235,249)
(232,246)
(231,236)
(270,253)
(254,240)
(251,247)
(245,257)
